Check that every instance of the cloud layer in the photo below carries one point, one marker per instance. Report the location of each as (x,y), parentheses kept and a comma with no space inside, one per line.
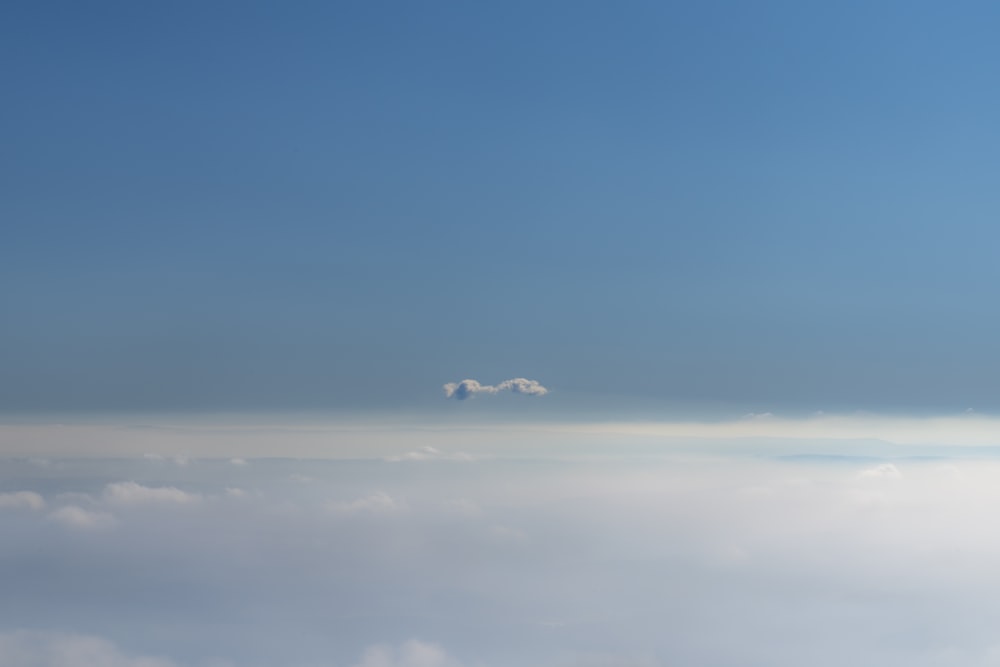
(602,558)
(469,388)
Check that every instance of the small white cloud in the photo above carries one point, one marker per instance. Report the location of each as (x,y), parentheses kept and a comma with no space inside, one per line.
(881,471)
(73,516)
(45,649)
(22,500)
(523,386)
(177,460)
(238,462)
(466,389)
(233,492)
(422,454)
(413,653)
(755,416)
(428,454)
(469,388)
(131,493)
(377,503)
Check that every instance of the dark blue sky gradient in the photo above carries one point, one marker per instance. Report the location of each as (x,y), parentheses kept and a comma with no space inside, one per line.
(214,206)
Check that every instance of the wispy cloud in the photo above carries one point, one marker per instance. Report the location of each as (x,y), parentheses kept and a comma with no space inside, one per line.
(47,649)
(78,518)
(413,653)
(376,503)
(881,471)
(428,453)
(21,500)
(469,388)
(131,493)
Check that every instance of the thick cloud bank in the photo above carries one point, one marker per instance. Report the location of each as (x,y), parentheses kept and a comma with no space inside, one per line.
(601,557)
(469,388)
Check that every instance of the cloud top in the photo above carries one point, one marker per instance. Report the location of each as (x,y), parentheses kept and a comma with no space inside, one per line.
(469,388)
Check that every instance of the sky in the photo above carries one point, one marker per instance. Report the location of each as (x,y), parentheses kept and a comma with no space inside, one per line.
(343,206)
(548,334)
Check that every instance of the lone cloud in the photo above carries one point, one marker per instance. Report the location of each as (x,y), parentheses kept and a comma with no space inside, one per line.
(468,388)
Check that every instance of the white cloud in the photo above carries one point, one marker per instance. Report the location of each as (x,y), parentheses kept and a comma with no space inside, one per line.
(429,454)
(238,462)
(422,454)
(881,471)
(376,503)
(468,388)
(559,554)
(73,516)
(44,649)
(413,653)
(181,459)
(21,500)
(131,493)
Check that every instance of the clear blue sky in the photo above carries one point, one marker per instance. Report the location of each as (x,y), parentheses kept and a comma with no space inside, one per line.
(221,206)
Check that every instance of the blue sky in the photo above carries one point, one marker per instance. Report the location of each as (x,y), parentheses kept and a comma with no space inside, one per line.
(549,334)
(342,206)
